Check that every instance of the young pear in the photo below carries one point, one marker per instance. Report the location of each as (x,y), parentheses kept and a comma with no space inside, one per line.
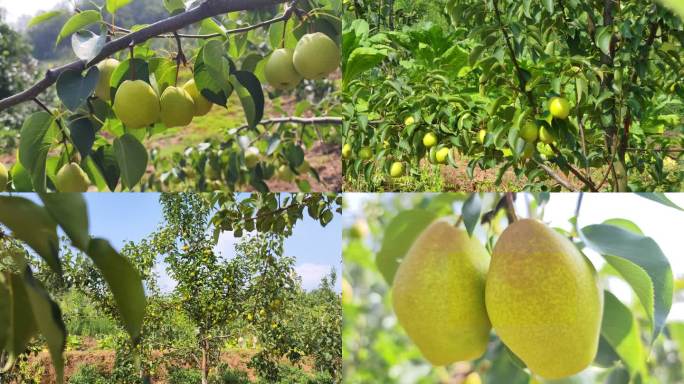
(365,153)
(202,105)
(528,151)
(285,173)
(481,136)
(251,157)
(4,178)
(545,136)
(177,107)
(136,104)
(429,140)
(442,155)
(397,169)
(559,108)
(544,299)
(106,68)
(438,294)
(346,151)
(529,132)
(71,178)
(315,56)
(280,71)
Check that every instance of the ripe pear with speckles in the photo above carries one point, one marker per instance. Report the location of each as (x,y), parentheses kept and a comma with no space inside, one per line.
(544,299)
(438,294)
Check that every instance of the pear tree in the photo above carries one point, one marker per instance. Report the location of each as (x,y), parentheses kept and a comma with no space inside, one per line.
(130,84)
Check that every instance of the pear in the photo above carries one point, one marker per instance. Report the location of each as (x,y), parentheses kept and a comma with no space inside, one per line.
(285,173)
(251,157)
(316,55)
(346,151)
(397,169)
(545,136)
(481,136)
(544,300)
(71,178)
(4,178)
(202,105)
(365,153)
(438,294)
(280,71)
(442,155)
(106,68)
(559,108)
(529,132)
(429,140)
(136,104)
(528,151)
(304,167)
(177,107)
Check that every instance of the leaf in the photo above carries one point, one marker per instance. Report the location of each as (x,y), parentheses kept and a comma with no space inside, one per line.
(43,17)
(87,44)
(114,5)
(624,224)
(360,60)
(215,90)
(107,164)
(48,318)
(22,324)
(74,89)
(645,253)
(604,35)
(132,158)
(69,210)
(82,132)
(659,198)
(471,212)
(34,145)
(251,95)
(399,236)
(621,331)
(79,21)
(676,5)
(32,224)
(174,6)
(124,282)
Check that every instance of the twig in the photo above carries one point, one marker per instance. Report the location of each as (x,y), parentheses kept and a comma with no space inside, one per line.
(556,176)
(586,180)
(510,207)
(59,124)
(298,120)
(205,10)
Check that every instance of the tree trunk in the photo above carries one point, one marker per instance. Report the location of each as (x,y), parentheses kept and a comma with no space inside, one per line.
(205,362)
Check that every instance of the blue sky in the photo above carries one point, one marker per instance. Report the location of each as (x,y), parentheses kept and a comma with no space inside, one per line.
(123,217)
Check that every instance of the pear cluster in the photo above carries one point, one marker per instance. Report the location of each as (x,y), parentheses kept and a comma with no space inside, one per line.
(315,56)
(537,291)
(137,104)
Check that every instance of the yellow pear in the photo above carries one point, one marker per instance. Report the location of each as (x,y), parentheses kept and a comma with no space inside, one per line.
(481,136)
(251,157)
(315,56)
(397,169)
(559,108)
(71,178)
(442,155)
(280,71)
(106,68)
(529,132)
(544,299)
(202,105)
(438,294)
(4,178)
(346,151)
(177,107)
(429,140)
(136,104)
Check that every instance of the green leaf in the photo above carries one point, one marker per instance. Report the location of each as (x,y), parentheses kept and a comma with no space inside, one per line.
(32,224)
(360,60)
(79,21)
(124,282)
(399,236)
(34,146)
(107,164)
(621,331)
(676,5)
(603,37)
(69,210)
(471,212)
(251,96)
(659,198)
(215,90)
(22,324)
(645,253)
(87,44)
(74,89)
(82,132)
(132,158)
(174,6)
(43,17)
(48,318)
(624,224)
(114,5)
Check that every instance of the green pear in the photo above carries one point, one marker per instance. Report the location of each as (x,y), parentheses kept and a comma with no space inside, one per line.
(4,178)
(136,104)
(438,294)
(397,169)
(442,155)
(365,153)
(544,299)
(559,108)
(280,71)
(285,173)
(529,132)
(304,167)
(429,140)
(177,107)
(545,136)
(528,151)
(202,105)
(251,157)
(106,68)
(346,151)
(315,56)
(71,178)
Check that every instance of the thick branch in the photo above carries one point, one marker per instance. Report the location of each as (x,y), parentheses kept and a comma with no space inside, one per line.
(209,8)
(298,120)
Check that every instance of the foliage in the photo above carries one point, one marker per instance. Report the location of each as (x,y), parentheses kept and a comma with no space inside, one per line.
(224,57)
(376,348)
(87,374)
(493,67)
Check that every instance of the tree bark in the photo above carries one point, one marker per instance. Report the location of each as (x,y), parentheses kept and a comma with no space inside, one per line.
(205,362)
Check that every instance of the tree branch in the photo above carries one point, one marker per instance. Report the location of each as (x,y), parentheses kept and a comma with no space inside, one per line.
(586,180)
(209,8)
(556,176)
(298,120)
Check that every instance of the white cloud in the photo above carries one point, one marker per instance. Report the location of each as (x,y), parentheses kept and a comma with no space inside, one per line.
(311,274)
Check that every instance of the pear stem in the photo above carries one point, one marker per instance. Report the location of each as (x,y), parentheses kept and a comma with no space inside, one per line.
(510,207)
(65,138)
